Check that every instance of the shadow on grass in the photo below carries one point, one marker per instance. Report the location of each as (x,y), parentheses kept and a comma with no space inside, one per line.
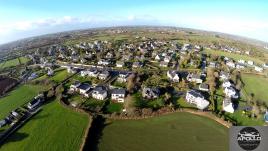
(95,133)
(17,136)
(40,117)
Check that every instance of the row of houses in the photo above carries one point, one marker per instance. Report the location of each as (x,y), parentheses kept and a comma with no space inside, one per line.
(17,114)
(98,92)
(230,93)
(242,64)
(93,72)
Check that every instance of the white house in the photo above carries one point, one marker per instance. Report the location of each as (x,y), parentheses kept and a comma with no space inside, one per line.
(104,75)
(74,86)
(226,84)
(204,87)
(194,78)
(99,93)
(230,92)
(230,64)
(50,72)
(196,98)
(71,70)
(250,63)
(258,69)
(150,93)
(122,77)
(224,75)
(167,59)
(120,64)
(93,72)
(227,105)
(173,75)
(83,88)
(241,61)
(158,57)
(34,103)
(84,73)
(104,62)
(118,95)
(240,66)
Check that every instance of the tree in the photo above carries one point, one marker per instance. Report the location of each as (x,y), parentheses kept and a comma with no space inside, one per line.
(167,98)
(131,83)
(50,93)
(212,84)
(59,89)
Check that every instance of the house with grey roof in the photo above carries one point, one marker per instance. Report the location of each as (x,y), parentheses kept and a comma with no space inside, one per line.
(120,64)
(204,87)
(83,88)
(224,75)
(137,65)
(74,86)
(99,93)
(122,77)
(227,105)
(194,78)
(118,95)
(104,75)
(173,75)
(196,98)
(150,93)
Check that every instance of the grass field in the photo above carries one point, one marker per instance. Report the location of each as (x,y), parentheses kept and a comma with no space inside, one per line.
(233,55)
(178,131)
(13,62)
(17,97)
(54,128)
(59,75)
(258,85)
(114,107)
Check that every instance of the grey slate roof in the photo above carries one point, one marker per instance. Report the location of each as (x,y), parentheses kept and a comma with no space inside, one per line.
(119,91)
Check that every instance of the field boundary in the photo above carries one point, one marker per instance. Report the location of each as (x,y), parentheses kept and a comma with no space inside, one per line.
(84,138)
(200,113)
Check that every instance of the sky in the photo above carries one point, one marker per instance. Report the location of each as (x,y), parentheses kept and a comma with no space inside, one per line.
(21,18)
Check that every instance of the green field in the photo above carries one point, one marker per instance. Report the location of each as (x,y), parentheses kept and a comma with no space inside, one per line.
(178,131)
(13,62)
(258,85)
(59,75)
(114,107)
(54,128)
(16,98)
(233,55)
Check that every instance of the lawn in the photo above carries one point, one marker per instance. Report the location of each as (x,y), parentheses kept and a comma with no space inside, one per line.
(59,75)
(13,62)
(54,128)
(182,102)
(233,55)
(177,131)
(17,97)
(114,107)
(244,120)
(258,85)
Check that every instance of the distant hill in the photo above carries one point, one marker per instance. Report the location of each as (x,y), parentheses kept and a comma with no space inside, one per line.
(56,38)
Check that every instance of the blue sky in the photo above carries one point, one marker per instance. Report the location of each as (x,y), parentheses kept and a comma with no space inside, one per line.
(20,19)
